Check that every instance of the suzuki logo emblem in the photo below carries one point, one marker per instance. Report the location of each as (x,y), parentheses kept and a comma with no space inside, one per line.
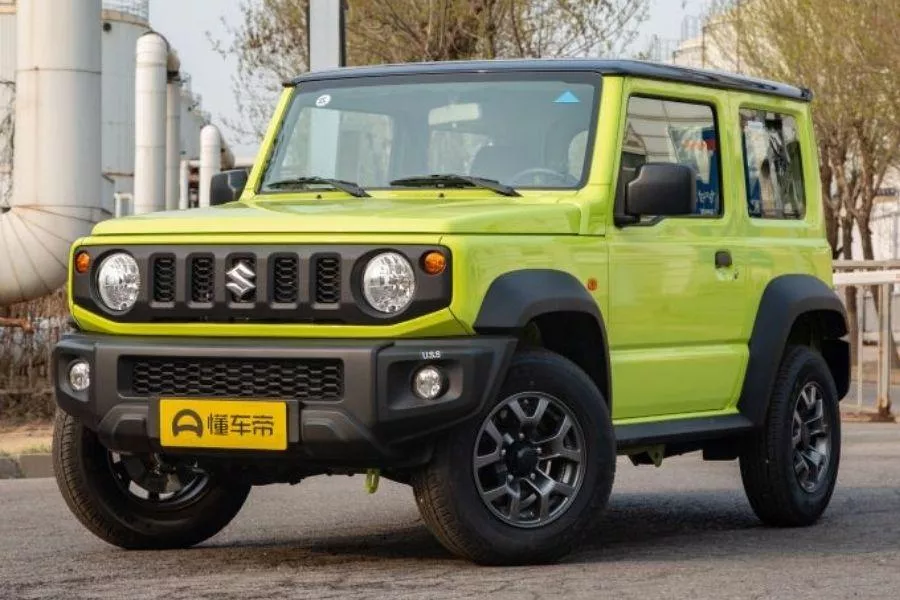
(241,280)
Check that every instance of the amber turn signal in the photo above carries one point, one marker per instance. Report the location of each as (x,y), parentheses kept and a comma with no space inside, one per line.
(434,263)
(82,262)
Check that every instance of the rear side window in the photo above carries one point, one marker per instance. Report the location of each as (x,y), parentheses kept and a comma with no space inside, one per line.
(773,169)
(674,132)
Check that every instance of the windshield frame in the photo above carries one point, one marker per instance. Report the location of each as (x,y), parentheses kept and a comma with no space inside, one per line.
(288,117)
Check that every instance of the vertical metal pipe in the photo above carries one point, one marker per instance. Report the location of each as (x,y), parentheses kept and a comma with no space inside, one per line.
(326,34)
(150,124)
(57,190)
(173,141)
(210,160)
(884,348)
(184,183)
(860,329)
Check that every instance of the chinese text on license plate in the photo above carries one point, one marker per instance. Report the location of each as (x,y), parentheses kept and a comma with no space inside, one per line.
(229,424)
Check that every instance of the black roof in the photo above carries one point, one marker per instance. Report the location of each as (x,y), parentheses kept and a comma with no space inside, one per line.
(637,68)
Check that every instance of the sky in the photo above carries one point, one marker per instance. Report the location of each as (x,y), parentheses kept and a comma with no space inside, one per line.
(188,25)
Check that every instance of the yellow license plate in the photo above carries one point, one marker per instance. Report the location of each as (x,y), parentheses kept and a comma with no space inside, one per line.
(227,424)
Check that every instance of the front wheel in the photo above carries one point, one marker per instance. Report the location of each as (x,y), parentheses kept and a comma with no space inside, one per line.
(790,466)
(525,480)
(138,501)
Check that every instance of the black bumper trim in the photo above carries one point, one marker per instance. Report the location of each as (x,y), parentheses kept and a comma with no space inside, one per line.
(378,421)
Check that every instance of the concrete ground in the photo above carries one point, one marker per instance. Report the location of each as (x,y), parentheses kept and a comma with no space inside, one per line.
(682,531)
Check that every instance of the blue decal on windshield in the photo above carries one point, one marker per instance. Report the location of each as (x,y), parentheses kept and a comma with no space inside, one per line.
(567,97)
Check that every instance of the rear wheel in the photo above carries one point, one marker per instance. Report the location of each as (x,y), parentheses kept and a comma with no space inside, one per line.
(789,468)
(139,501)
(525,480)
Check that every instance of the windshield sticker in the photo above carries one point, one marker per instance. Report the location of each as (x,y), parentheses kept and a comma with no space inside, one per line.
(567,97)
(323,100)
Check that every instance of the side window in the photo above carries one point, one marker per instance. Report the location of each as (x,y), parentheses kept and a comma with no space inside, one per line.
(773,169)
(674,132)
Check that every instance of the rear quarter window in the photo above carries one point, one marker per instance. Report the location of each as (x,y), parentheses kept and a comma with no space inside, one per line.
(773,165)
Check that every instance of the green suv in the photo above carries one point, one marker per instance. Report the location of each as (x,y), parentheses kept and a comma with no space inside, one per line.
(482,279)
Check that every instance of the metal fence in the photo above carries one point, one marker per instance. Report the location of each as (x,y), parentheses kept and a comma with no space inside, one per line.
(871,280)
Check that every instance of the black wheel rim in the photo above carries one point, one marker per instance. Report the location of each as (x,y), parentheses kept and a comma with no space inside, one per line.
(529,459)
(810,438)
(153,483)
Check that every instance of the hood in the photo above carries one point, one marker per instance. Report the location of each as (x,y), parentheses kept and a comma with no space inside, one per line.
(359,215)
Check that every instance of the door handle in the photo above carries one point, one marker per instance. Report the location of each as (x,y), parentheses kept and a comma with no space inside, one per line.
(723,259)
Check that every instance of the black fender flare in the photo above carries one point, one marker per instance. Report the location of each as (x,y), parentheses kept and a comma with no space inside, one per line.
(516,298)
(784,300)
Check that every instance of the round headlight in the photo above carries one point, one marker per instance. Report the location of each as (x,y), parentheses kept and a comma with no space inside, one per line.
(389,283)
(118,281)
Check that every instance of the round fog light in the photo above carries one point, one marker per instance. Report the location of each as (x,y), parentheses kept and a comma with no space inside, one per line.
(428,383)
(80,375)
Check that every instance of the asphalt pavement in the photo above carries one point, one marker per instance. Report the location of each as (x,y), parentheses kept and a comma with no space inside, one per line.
(681,531)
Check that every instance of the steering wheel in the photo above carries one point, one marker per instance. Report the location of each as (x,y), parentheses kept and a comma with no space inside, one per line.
(563,178)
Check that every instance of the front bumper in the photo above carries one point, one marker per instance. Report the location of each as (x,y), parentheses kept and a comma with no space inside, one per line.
(375,421)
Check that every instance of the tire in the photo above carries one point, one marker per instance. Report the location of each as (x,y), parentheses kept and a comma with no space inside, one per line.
(94,494)
(773,484)
(447,491)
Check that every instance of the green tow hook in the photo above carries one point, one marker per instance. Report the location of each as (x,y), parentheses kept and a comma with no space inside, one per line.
(373,476)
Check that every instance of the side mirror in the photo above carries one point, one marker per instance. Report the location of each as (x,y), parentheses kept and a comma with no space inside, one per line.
(227,186)
(661,190)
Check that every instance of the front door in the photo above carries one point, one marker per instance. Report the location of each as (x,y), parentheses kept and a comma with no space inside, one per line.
(677,285)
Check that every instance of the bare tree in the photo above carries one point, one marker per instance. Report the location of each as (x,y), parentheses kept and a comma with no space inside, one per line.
(848,52)
(270,41)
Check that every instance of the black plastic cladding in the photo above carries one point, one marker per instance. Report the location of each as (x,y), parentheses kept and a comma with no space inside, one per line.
(433,292)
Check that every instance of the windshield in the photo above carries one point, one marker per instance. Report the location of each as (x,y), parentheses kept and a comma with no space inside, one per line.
(523,129)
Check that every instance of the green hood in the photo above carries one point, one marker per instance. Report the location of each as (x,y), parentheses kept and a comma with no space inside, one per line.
(359,215)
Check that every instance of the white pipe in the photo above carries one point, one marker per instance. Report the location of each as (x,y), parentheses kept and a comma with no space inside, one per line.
(57,192)
(210,159)
(173,142)
(150,124)
(184,182)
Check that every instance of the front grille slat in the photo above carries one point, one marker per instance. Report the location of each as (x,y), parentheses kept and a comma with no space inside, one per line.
(164,278)
(285,279)
(328,279)
(307,379)
(202,278)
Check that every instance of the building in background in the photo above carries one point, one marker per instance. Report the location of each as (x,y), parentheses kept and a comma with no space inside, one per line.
(122,22)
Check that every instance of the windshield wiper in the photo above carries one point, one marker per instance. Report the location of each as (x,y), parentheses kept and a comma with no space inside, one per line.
(338,184)
(453,180)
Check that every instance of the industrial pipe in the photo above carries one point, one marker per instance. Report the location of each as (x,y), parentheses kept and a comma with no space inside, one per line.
(173,130)
(57,195)
(150,124)
(210,159)
(184,182)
